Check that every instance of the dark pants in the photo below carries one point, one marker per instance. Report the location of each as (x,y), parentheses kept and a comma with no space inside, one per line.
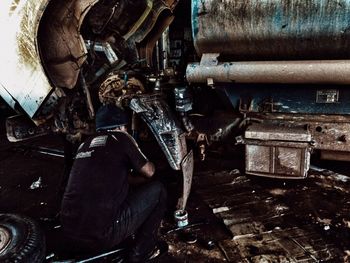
(140,214)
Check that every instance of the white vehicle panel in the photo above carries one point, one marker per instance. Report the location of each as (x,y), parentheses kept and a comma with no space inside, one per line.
(21,72)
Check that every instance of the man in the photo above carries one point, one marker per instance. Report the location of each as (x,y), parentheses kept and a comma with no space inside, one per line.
(98,208)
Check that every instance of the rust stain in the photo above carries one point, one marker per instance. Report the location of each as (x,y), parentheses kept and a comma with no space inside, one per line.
(14,6)
(26,37)
(60,41)
(272,29)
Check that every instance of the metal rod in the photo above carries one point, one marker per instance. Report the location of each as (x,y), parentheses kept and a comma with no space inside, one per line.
(298,72)
(102,255)
(90,106)
(165,49)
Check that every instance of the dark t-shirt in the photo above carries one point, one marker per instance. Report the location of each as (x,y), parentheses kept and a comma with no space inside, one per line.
(98,184)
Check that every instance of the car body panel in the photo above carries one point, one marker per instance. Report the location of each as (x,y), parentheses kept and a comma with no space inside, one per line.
(61,44)
(22,77)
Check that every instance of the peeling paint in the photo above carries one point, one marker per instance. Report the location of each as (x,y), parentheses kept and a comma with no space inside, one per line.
(271,29)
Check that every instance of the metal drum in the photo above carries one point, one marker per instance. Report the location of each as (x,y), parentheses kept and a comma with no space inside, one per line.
(272,29)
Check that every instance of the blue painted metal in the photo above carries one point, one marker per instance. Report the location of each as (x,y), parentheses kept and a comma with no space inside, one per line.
(272,29)
(287,98)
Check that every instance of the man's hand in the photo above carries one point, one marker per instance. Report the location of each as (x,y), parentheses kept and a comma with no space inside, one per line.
(143,176)
(148,170)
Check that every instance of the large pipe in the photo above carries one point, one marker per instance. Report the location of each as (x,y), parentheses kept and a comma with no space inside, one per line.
(298,72)
(260,30)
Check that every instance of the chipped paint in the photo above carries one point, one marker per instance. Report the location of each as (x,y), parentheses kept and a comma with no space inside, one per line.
(272,29)
(292,72)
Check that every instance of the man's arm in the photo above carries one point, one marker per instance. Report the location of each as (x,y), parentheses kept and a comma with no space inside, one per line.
(148,169)
(138,160)
(143,176)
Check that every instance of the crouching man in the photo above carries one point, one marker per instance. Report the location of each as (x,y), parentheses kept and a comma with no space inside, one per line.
(99,209)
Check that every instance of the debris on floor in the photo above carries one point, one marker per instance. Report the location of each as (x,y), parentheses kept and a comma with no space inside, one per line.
(231,217)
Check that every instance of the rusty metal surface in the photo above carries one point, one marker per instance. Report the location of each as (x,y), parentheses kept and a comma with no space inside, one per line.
(20,128)
(61,45)
(302,118)
(153,27)
(162,122)
(277,160)
(316,71)
(272,29)
(328,132)
(277,133)
(22,78)
(277,151)
(330,135)
(159,7)
(148,44)
(187,173)
(335,156)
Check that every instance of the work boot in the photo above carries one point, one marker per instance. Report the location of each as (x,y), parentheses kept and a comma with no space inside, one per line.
(155,253)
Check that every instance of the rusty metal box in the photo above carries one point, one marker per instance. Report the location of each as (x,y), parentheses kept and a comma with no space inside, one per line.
(279,152)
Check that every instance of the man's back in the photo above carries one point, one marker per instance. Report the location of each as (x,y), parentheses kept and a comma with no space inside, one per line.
(98,184)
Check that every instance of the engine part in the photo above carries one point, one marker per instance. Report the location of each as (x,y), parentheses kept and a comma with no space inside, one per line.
(158,116)
(187,173)
(20,128)
(115,89)
(183,104)
(183,99)
(105,47)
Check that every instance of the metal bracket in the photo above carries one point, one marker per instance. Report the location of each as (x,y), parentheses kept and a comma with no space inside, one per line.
(210,59)
(104,47)
(21,128)
(159,118)
(187,172)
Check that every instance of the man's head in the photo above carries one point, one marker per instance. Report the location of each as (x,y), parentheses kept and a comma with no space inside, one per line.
(110,117)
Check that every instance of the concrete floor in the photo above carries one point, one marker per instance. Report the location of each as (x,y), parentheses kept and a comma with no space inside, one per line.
(247,219)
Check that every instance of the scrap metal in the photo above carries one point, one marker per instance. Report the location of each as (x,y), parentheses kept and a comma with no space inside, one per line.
(158,116)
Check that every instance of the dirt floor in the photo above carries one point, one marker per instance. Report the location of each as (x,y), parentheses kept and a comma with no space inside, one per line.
(233,217)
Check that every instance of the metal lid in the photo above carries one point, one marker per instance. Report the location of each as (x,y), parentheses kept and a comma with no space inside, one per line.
(269,132)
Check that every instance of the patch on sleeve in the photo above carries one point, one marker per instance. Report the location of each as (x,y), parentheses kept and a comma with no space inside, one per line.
(98,141)
(83,155)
